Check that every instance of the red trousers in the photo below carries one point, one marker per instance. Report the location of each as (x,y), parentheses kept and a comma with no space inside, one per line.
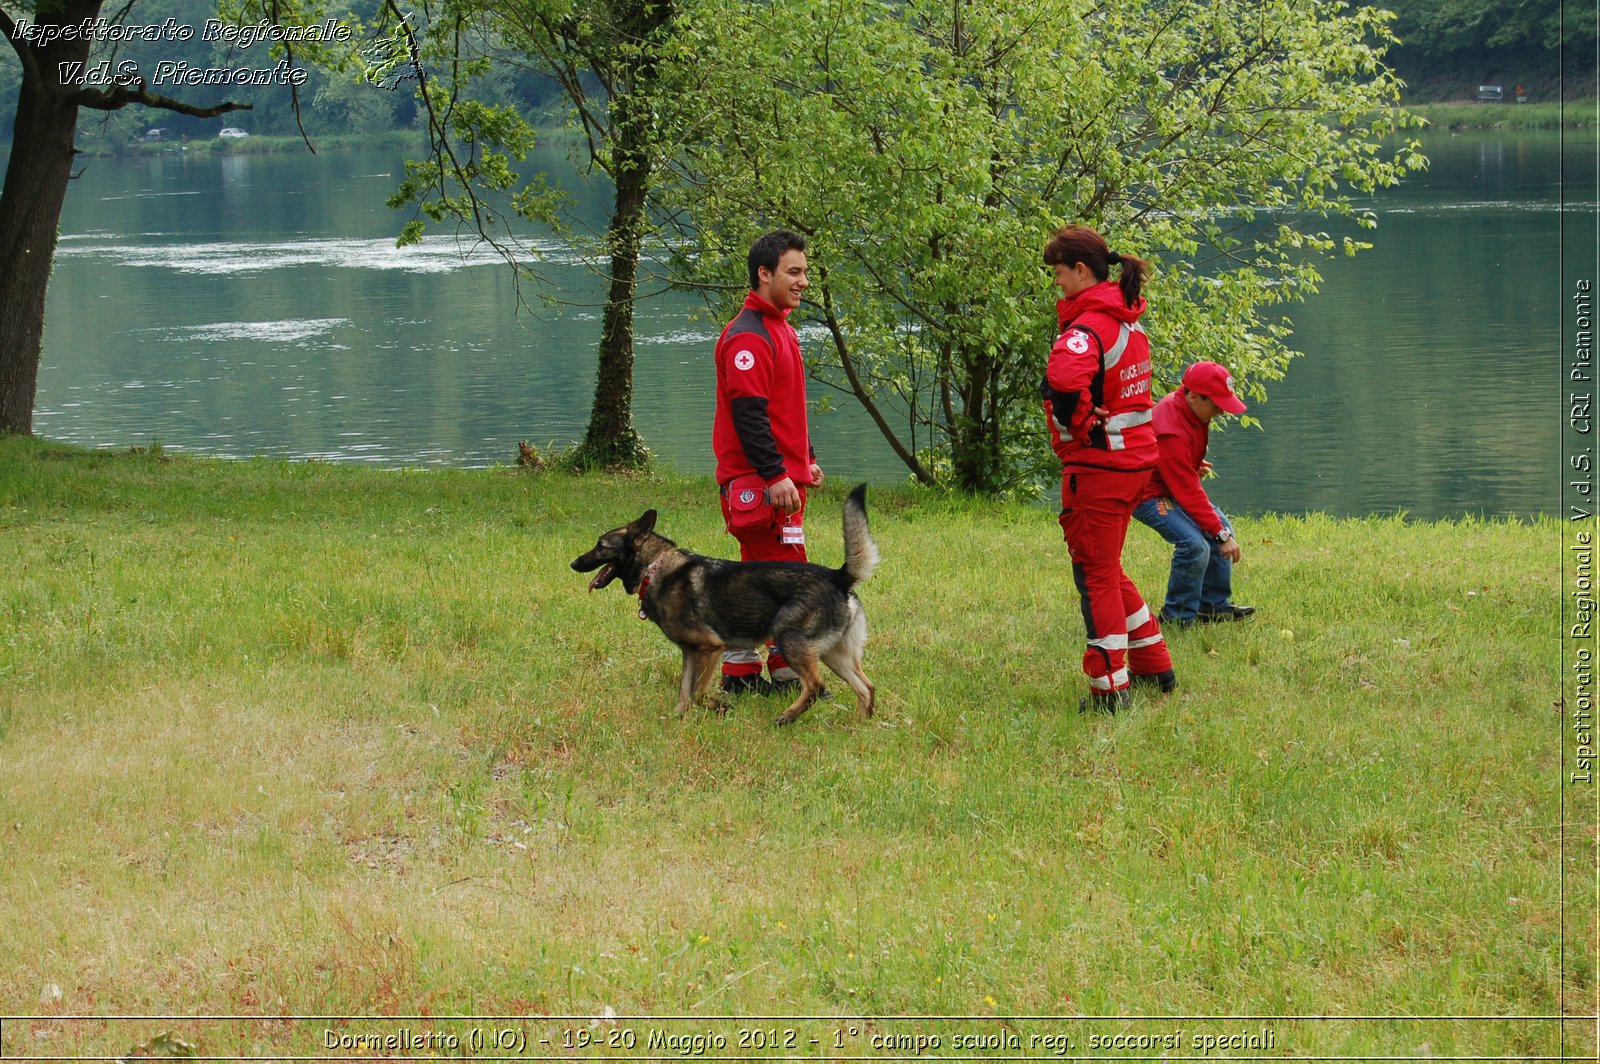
(1123,636)
(761,545)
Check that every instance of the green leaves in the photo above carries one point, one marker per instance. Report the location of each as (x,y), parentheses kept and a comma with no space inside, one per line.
(929,148)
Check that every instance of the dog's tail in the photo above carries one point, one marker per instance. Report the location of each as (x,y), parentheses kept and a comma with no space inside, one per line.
(860,552)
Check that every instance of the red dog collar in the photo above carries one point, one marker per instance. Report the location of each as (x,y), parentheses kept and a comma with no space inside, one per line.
(644,584)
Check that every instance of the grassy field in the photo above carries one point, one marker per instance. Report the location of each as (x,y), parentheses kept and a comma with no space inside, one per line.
(301,740)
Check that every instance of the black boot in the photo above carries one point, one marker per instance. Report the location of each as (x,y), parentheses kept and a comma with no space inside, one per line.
(1166,682)
(1230,612)
(1108,701)
(754,684)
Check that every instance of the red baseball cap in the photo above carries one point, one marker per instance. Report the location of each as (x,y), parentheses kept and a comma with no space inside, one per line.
(1212,381)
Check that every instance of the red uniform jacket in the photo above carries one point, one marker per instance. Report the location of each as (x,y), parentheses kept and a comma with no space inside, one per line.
(1182,439)
(1101,359)
(760,424)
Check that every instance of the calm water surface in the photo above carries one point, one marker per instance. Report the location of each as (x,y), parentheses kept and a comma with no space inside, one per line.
(1433,363)
(256,305)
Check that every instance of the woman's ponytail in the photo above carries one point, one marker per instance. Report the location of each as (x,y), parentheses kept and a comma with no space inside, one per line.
(1135,272)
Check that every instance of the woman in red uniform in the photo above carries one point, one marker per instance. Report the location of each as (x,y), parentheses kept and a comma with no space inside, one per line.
(1097,394)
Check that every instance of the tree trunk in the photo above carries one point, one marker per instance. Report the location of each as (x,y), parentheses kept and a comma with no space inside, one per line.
(611,441)
(974,450)
(30,216)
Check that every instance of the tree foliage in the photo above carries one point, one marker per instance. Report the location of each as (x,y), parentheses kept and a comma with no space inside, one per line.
(929,147)
(1442,29)
(339,95)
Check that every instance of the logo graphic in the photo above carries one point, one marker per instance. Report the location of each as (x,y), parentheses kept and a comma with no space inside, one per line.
(744,360)
(747,496)
(388,62)
(1077,343)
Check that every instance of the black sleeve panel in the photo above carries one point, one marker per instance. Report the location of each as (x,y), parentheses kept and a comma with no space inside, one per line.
(756,436)
(754,428)
(1062,407)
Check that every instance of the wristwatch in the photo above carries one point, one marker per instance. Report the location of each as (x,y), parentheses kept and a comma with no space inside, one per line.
(1225,535)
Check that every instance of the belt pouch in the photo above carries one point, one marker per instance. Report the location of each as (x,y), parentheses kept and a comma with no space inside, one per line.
(748,507)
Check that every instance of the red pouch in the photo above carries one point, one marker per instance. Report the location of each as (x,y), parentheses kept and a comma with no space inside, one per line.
(747,506)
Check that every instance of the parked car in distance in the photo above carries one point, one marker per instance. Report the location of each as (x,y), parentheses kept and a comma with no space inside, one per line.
(232,132)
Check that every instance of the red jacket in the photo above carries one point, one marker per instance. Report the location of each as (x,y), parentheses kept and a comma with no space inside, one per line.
(760,424)
(1101,359)
(1182,438)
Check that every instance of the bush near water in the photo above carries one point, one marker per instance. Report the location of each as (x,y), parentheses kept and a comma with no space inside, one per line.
(314,739)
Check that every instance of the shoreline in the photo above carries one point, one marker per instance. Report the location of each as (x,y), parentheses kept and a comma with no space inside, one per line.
(659,472)
(1454,116)
(1469,115)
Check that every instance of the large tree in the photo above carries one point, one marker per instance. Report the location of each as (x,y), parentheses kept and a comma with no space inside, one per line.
(929,147)
(606,56)
(52,49)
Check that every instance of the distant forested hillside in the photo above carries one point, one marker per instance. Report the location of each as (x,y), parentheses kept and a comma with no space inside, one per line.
(1450,47)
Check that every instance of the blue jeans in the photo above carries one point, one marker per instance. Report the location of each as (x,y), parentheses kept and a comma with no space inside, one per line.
(1202,579)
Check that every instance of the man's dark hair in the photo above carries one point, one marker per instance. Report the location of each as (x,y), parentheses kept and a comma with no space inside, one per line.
(769,249)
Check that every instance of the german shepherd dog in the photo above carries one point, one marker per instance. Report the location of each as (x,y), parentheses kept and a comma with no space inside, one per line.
(705,605)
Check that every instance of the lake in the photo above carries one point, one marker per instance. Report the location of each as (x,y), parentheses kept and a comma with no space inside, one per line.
(256,305)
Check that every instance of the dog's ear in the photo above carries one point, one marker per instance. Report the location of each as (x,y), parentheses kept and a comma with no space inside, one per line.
(646,523)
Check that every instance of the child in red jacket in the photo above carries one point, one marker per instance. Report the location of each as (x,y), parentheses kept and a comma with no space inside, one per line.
(1204,549)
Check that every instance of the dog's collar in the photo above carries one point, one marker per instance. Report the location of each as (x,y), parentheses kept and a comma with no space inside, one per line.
(644,585)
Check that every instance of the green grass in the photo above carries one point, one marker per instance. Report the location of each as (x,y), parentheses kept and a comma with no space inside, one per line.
(1509,116)
(317,740)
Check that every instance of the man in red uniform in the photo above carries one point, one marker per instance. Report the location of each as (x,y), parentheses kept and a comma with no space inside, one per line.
(1097,392)
(1175,504)
(765,460)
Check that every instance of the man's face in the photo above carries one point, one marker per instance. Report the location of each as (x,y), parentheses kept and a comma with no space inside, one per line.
(784,286)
